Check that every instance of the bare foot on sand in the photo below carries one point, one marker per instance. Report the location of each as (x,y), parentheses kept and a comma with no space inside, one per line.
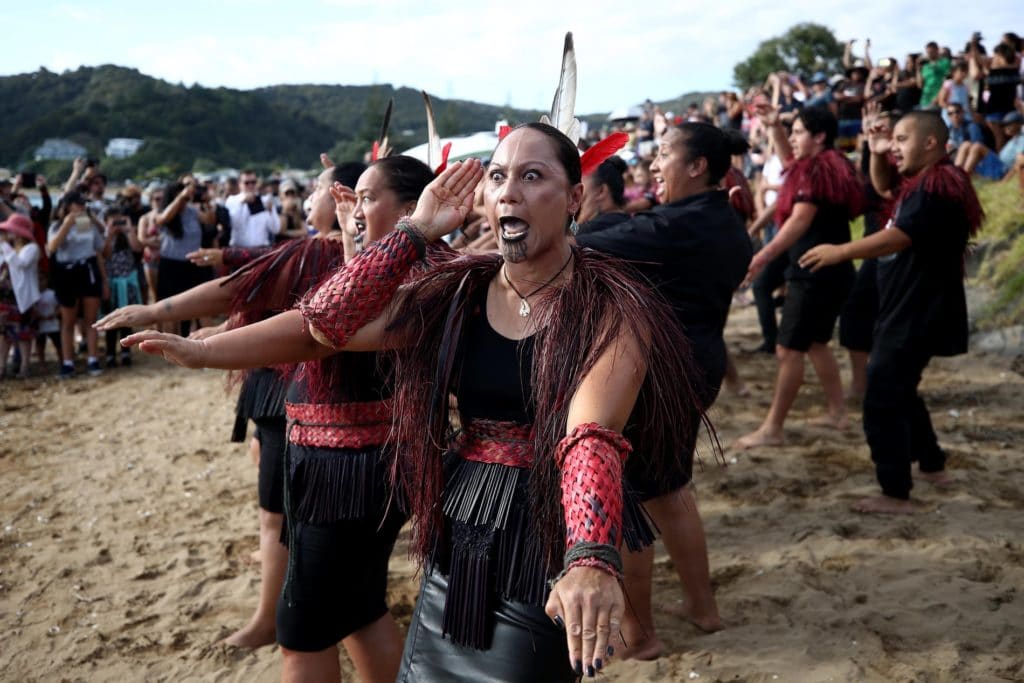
(941,480)
(884,505)
(840,423)
(708,621)
(762,437)
(252,636)
(644,650)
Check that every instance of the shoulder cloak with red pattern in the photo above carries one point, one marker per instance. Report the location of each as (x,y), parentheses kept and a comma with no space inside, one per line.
(825,178)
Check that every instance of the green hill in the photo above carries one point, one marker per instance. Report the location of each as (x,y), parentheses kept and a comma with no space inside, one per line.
(201,129)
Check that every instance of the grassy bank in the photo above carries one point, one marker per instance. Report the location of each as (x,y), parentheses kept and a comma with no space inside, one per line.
(998,261)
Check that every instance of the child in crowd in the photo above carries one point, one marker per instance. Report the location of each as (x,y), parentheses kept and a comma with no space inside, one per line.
(47,320)
(120,245)
(19,288)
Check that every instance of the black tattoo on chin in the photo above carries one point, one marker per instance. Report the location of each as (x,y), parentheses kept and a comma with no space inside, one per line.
(514,252)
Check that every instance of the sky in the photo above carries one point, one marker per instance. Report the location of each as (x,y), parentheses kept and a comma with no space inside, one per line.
(506,53)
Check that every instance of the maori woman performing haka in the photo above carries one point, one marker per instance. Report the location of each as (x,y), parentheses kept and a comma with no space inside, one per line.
(551,352)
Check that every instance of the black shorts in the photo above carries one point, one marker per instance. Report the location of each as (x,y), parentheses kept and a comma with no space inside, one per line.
(646,485)
(339,581)
(271,434)
(810,312)
(73,282)
(178,276)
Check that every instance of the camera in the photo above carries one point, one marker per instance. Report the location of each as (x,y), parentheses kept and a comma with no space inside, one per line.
(28,179)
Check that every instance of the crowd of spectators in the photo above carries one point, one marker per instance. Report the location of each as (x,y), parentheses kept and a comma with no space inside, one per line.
(91,252)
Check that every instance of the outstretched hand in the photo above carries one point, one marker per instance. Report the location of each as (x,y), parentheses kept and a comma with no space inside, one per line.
(588,603)
(134,315)
(206,257)
(446,202)
(187,353)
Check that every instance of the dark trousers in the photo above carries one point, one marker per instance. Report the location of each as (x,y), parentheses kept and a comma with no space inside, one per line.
(770,279)
(896,422)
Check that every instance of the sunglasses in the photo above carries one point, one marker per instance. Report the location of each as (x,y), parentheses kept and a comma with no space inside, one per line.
(249,182)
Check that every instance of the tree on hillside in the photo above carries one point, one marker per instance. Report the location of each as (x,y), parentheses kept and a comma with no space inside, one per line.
(803,49)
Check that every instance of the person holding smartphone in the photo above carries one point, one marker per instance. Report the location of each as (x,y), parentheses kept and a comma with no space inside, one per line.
(254,222)
(74,241)
(119,249)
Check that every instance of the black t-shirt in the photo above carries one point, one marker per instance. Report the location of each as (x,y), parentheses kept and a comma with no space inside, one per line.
(695,252)
(831,225)
(1002,88)
(909,97)
(921,291)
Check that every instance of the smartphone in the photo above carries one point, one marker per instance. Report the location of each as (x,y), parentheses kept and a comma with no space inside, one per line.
(28,179)
(83,222)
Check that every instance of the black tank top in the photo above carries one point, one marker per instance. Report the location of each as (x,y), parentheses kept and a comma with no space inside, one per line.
(493,376)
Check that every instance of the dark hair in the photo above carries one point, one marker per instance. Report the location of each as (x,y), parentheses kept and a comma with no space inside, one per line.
(174,226)
(1005,51)
(609,175)
(567,153)
(1014,41)
(714,144)
(347,173)
(405,176)
(930,123)
(820,120)
(247,171)
(618,163)
(933,44)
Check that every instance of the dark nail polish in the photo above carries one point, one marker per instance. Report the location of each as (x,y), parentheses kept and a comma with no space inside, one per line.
(590,672)
(611,650)
(578,667)
(598,664)
(558,622)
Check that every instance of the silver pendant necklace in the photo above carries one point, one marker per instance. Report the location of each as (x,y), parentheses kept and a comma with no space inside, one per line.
(524,305)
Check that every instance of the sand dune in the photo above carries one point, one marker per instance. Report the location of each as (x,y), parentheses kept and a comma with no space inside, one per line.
(128,520)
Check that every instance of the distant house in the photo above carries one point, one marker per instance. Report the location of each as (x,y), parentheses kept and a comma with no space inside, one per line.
(58,148)
(122,148)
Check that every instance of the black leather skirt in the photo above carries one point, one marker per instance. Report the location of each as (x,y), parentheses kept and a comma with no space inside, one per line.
(524,647)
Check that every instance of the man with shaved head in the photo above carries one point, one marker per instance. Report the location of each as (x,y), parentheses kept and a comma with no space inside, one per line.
(922,306)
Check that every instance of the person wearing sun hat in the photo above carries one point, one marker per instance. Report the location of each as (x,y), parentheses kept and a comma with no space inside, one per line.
(19,287)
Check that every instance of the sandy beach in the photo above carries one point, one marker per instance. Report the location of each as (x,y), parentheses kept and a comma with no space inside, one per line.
(128,520)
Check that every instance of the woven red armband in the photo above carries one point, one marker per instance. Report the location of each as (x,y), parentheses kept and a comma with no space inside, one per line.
(359,292)
(591,459)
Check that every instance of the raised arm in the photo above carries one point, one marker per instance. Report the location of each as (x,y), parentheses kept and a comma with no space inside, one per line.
(54,243)
(769,116)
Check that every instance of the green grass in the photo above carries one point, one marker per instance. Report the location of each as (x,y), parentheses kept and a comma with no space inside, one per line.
(1001,240)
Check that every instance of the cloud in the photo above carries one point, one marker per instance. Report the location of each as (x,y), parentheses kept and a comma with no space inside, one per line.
(507,53)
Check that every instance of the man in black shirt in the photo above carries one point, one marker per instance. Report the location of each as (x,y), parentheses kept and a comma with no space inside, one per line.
(922,307)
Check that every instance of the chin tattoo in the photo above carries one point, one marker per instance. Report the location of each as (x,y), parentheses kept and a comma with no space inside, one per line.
(514,252)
